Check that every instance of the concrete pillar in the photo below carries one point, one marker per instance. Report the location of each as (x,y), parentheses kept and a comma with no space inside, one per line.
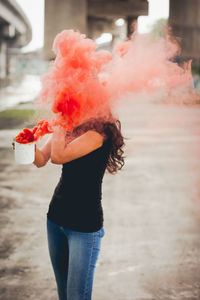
(131,25)
(185,22)
(3,59)
(60,15)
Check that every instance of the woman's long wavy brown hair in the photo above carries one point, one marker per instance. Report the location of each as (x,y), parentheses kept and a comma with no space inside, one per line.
(111,130)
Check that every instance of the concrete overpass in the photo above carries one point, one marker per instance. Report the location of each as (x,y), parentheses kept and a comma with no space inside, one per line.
(89,16)
(96,16)
(15,31)
(185,22)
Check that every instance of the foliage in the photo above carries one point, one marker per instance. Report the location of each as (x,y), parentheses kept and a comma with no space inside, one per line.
(196,69)
(19,114)
(159,28)
(15,118)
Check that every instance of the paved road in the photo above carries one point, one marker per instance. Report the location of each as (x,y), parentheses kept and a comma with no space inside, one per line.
(151,247)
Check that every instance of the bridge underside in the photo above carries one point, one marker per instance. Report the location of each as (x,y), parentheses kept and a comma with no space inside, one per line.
(117,8)
(91,17)
(94,17)
(185,22)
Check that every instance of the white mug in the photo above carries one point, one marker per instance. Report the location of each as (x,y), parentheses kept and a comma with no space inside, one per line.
(24,153)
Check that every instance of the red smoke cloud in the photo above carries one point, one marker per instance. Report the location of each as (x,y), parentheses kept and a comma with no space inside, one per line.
(29,136)
(71,88)
(82,83)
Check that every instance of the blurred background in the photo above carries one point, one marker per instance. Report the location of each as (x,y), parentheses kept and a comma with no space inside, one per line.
(151,249)
(29,27)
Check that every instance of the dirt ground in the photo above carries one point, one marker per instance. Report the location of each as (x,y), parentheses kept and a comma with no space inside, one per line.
(151,247)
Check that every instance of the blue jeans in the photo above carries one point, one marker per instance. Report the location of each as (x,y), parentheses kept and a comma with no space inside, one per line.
(73,256)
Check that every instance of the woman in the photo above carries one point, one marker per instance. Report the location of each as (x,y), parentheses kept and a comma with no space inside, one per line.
(75,216)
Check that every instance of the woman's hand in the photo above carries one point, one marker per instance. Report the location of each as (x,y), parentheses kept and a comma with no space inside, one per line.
(42,156)
(13,144)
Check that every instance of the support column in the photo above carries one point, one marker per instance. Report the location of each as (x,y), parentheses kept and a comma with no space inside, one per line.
(3,59)
(131,25)
(184,20)
(60,15)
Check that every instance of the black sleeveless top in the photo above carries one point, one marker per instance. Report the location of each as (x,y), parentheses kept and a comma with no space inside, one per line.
(76,202)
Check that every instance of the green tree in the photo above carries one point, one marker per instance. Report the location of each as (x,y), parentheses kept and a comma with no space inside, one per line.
(159,28)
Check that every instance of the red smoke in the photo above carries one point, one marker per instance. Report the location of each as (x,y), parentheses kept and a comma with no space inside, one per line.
(71,88)
(28,136)
(145,64)
(82,83)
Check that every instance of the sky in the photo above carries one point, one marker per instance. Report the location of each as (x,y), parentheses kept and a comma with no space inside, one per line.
(34,10)
(157,9)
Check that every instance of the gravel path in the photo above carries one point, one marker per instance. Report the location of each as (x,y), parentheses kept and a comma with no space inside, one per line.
(151,247)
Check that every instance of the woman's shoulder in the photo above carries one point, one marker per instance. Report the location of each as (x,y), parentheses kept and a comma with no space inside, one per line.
(93,124)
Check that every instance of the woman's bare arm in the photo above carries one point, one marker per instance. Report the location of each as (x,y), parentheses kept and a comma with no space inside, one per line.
(43,155)
(61,152)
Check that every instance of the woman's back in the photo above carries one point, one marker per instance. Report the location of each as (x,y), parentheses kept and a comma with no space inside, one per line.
(76,202)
